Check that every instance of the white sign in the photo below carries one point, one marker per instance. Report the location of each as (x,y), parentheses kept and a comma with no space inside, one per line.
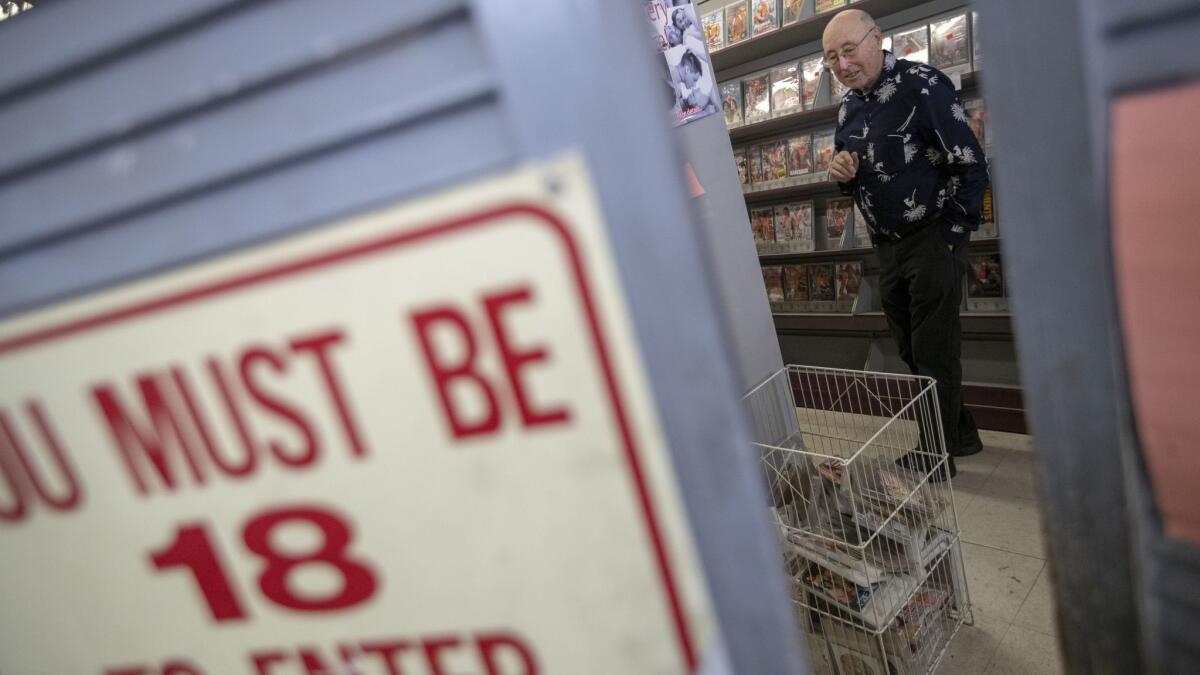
(419,441)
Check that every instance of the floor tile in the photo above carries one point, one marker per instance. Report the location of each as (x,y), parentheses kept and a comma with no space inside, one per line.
(1014,478)
(1026,652)
(1009,524)
(1008,441)
(973,647)
(973,474)
(998,581)
(1037,612)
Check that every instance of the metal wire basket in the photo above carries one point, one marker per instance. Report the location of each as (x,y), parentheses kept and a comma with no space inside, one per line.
(855,463)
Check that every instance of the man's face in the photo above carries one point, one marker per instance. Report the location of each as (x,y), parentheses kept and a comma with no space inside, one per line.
(864,62)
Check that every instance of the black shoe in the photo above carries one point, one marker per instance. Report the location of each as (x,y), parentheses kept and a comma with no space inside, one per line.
(970,448)
(923,463)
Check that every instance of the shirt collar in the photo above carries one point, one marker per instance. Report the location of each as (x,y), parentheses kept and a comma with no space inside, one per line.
(889,67)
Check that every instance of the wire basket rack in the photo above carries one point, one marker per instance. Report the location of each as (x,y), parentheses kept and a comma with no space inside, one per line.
(855,466)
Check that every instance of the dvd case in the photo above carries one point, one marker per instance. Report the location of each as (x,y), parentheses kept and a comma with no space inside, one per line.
(912,44)
(714,29)
(773,280)
(814,75)
(754,159)
(765,17)
(988,229)
(800,159)
(793,227)
(977,119)
(985,284)
(975,40)
(821,286)
(739,159)
(785,89)
(774,158)
(795,288)
(823,144)
(862,231)
(762,219)
(849,278)
(756,91)
(837,216)
(792,9)
(736,26)
(948,39)
(827,5)
(731,103)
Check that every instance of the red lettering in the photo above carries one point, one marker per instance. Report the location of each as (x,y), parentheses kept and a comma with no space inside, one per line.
(515,361)
(180,668)
(264,660)
(433,649)
(9,469)
(445,374)
(493,643)
(127,670)
(201,425)
(33,478)
(235,414)
(319,346)
(157,445)
(389,652)
(283,410)
(313,663)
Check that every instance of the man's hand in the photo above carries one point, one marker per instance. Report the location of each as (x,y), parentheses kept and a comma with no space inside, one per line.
(844,166)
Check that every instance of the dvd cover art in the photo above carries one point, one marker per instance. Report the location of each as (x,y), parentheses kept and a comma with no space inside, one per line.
(814,69)
(820,283)
(677,32)
(774,158)
(773,280)
(785,88)
(837,215)
(988,229)
(975,40)
(763,221)
(754,158)
(736,26)
(986,279)
(791,11)
(823,145)
(827,5)
(793,221)
(756,92)
(795,283)
(862,229)
(765,17)
(799,158)
(977,119)
(912,44)
(849,278)
(714,29)
(731,103)
(739,159)
(948,39)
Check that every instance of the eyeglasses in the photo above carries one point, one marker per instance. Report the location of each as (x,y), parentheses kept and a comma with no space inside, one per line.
(846,52)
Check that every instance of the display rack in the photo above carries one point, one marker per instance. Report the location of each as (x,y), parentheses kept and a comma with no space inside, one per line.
(872,548)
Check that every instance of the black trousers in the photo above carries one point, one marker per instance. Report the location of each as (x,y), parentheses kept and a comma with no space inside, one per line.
(921,283)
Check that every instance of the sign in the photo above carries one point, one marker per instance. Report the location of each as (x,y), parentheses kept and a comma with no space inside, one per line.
(419,441)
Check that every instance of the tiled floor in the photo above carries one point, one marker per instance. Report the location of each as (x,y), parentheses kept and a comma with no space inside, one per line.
(1004,554)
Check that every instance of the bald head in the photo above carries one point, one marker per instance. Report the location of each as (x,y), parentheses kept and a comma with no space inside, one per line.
(853,48)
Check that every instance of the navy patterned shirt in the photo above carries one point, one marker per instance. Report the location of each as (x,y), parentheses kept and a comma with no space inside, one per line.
(919,161)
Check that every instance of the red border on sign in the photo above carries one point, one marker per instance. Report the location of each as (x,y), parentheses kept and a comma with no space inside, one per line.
(483,218)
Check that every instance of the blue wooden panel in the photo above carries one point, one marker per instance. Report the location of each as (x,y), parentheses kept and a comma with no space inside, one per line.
(211,62)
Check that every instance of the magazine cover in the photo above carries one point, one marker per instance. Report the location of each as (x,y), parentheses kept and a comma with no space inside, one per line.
(763,221)
(849,278)
(754,158)
(912,44)
(731,103)
(756,91)
(785,88)
(822,150)
(800,159)
(814,71)
(792,10)
(988,229)
(975,40)
(985,279)
(714,29)
(827,5)
(739,158)
(837,215)
(765,18)
(680,40)
(948,46)
(737,28)
(795,283)
(820,283)
(977,119)
(774,157)
(773,278)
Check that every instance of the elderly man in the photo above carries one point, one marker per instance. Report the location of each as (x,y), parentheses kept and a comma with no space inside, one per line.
(911,162)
